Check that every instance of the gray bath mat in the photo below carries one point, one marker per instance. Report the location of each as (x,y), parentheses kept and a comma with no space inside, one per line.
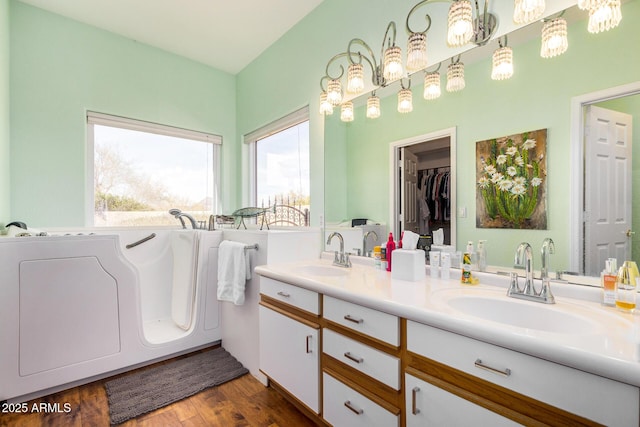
(147,390)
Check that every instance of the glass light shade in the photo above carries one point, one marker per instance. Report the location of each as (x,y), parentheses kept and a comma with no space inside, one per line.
(325,106)
(554,38)
(432,85)
(346,112)
(526,11)
(455,77)
(334,92)
(355,78)
(460,23)
(502,63)
(587,4)
(416,52)
(405,101)
(392,63)
(373,107)
(604,16)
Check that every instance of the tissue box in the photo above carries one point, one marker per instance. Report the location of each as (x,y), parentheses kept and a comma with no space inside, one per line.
(407,264)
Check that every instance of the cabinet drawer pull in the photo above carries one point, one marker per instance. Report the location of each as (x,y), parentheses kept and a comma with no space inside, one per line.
(283,294)
(505,373)
(353,408)
(414,406)
(356,359)
(309,338)
(353,319)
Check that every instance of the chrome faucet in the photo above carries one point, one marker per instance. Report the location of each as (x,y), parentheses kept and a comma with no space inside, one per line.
(547,249)
(364,241)
(340,258)
(179,214)
(524,258)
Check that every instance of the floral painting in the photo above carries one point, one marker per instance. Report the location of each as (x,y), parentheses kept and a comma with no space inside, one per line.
(511,181)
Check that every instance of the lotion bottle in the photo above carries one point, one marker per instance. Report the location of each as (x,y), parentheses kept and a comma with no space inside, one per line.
(608,279)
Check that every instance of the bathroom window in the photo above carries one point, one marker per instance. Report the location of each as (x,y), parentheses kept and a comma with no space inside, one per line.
(279,162)
(137,171)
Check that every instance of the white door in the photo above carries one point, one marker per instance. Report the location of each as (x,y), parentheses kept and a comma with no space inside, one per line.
(607,210)
(428,405)
(289,354)
(409,190)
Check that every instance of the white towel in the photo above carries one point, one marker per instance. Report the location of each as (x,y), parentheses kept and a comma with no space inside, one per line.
(233,271)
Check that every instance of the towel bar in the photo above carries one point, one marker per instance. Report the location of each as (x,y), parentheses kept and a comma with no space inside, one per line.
(254,246)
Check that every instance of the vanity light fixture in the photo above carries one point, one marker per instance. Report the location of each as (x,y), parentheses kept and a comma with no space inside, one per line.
(455,76)
(502,62)
(405,98)
(464,25)
(604,15)
(373,107)
(432,85)
(554,37)
(346,111)
(526,11)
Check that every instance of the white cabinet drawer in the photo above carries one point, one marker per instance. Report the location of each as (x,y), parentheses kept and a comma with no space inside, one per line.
(428,405)
(301,298)
(382,326)
(343,406)
(600,399)
(375,363)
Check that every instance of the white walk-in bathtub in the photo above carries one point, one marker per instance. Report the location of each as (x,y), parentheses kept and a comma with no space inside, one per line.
(77,307)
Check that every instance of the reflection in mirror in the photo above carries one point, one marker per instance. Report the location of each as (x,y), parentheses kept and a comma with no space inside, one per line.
(358,179)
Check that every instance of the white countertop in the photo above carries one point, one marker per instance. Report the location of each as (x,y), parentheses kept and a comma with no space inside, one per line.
(606,344)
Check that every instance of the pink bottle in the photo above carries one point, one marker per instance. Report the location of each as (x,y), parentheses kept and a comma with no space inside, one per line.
(391,246)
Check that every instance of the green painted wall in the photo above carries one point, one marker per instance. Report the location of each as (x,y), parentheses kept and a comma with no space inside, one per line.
(538,96)
(59,70)
(5,182)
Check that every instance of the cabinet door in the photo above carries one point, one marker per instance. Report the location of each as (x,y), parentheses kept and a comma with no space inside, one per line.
(428,405)
(289,354)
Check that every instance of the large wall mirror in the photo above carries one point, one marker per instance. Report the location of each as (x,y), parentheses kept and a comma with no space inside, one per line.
(542,94)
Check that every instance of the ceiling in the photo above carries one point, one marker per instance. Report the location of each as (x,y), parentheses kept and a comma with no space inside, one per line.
(224,34)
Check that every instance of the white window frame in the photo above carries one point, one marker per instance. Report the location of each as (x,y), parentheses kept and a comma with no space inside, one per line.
(250,146)
(94,118)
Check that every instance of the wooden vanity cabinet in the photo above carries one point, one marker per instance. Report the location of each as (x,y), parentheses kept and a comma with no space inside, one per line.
(344,364)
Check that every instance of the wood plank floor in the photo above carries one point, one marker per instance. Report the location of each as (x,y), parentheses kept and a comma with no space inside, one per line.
(240,402)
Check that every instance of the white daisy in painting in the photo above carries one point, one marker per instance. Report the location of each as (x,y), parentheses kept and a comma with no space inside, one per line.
(520,180)
(512,151)
(529,144)
(483,182)
(536,181)
(497,177)
(511,171)
(518,190)
(505,184)
(501,159)
(490,169)
(518,161)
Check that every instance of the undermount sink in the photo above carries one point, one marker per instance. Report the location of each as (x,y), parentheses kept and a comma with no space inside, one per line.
(527,315)
(322,270)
